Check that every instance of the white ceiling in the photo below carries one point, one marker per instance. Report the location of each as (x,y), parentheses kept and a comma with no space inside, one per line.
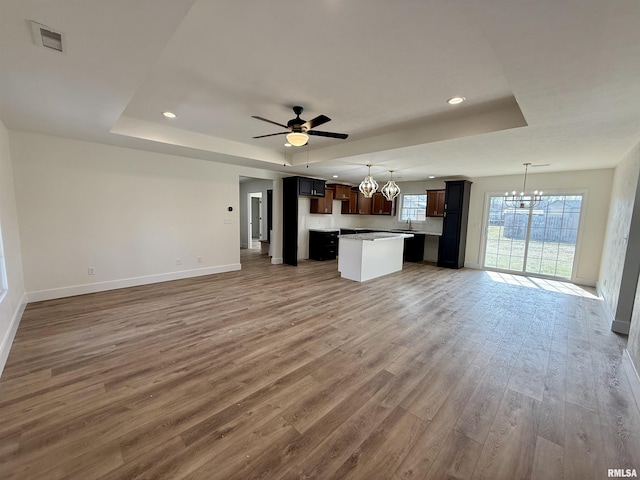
(545,81)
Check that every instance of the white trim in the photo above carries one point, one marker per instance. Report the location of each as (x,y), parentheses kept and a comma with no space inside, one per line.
(632,376)
(587,282)
(475,266)
(277,261)
(7,341)
(53,293)
(619,326)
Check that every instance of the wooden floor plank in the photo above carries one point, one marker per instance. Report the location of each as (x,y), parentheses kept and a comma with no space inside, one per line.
(282,372)
(548,460)
(509,449)
(583,446)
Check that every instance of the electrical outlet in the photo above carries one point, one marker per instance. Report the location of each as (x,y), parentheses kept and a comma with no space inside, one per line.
(199,259)
(178,261)
(91,271)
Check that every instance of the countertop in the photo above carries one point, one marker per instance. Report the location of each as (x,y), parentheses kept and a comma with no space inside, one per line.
(375,236)
(325,230)
(396,230)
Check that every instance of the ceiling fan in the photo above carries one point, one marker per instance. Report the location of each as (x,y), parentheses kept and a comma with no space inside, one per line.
(298,130)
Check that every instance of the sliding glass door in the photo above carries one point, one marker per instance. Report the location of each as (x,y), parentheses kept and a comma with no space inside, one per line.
(539,240)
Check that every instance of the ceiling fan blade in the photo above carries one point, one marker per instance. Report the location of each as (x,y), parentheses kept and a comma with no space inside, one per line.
(327,134)
(269,121)
(540,164)
(316,122)
(271,135)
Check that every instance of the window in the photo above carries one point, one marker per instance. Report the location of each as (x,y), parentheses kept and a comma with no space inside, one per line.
(414,207)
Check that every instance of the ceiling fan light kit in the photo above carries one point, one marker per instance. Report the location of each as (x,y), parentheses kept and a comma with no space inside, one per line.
(298,130)
(368,186)
(297,139)
(390,189)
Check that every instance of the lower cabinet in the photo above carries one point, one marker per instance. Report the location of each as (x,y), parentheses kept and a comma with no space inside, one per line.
(323,245)
(414,248)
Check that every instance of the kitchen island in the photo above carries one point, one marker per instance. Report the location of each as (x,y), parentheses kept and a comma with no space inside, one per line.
(363,256)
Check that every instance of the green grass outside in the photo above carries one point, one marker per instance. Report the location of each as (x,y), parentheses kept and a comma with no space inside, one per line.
(508,254)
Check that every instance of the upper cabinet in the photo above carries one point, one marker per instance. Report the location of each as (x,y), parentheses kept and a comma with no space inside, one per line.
(341,192)
(382,206)
(310,187)
(324,204)
(364,204)
(435,203)
(351,206)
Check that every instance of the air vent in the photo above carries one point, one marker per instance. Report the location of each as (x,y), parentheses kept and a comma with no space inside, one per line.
(44,36)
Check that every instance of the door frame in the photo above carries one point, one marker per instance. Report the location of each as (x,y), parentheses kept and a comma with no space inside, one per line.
(485,225)
(250,217)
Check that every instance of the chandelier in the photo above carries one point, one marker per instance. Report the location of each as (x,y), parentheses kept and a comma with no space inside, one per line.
(523,199)
(368,186)
(390,189)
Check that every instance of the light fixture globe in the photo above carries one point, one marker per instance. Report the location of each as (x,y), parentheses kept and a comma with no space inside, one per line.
(390,189)
(368,186)
(297,139)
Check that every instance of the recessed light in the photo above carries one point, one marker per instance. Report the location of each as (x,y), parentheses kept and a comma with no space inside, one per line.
(335,176)
(288,145)
(456,100)
(432,176)
(169,114)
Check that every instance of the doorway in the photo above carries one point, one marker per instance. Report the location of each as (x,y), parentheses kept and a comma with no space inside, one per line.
(540,240)
(255,220)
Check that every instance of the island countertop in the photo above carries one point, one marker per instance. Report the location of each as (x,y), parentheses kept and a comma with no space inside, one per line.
(375,236)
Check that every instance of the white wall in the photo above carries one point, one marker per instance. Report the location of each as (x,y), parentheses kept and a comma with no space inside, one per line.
(625,184)
(247,187)
(13,301)
(596,184)
(129,214)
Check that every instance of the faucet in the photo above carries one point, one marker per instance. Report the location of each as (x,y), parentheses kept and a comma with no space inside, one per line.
(409,223)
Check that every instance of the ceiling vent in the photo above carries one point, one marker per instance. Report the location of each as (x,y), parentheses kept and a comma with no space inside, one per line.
(44,36)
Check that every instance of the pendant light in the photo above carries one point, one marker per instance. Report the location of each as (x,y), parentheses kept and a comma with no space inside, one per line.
(368,186)
(523,200)
(390,189)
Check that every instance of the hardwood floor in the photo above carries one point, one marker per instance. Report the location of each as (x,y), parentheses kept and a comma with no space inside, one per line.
(294,373)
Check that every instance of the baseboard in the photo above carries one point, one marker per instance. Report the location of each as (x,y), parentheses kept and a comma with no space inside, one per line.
(475,266)
(72,291)
(276,261)
(620,327)
(7,341)
(632,375)
(586,282)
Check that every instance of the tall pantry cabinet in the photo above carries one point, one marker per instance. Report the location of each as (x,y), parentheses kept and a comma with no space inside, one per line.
(451,247)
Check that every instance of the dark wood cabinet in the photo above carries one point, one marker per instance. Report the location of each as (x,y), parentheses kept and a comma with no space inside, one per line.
(364,204)
(341,192)
(452,244)
(322,205)
(351,206)
(323,245)
(290,220)
(435,203)
(414,248)
(382,206)
(310,187)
